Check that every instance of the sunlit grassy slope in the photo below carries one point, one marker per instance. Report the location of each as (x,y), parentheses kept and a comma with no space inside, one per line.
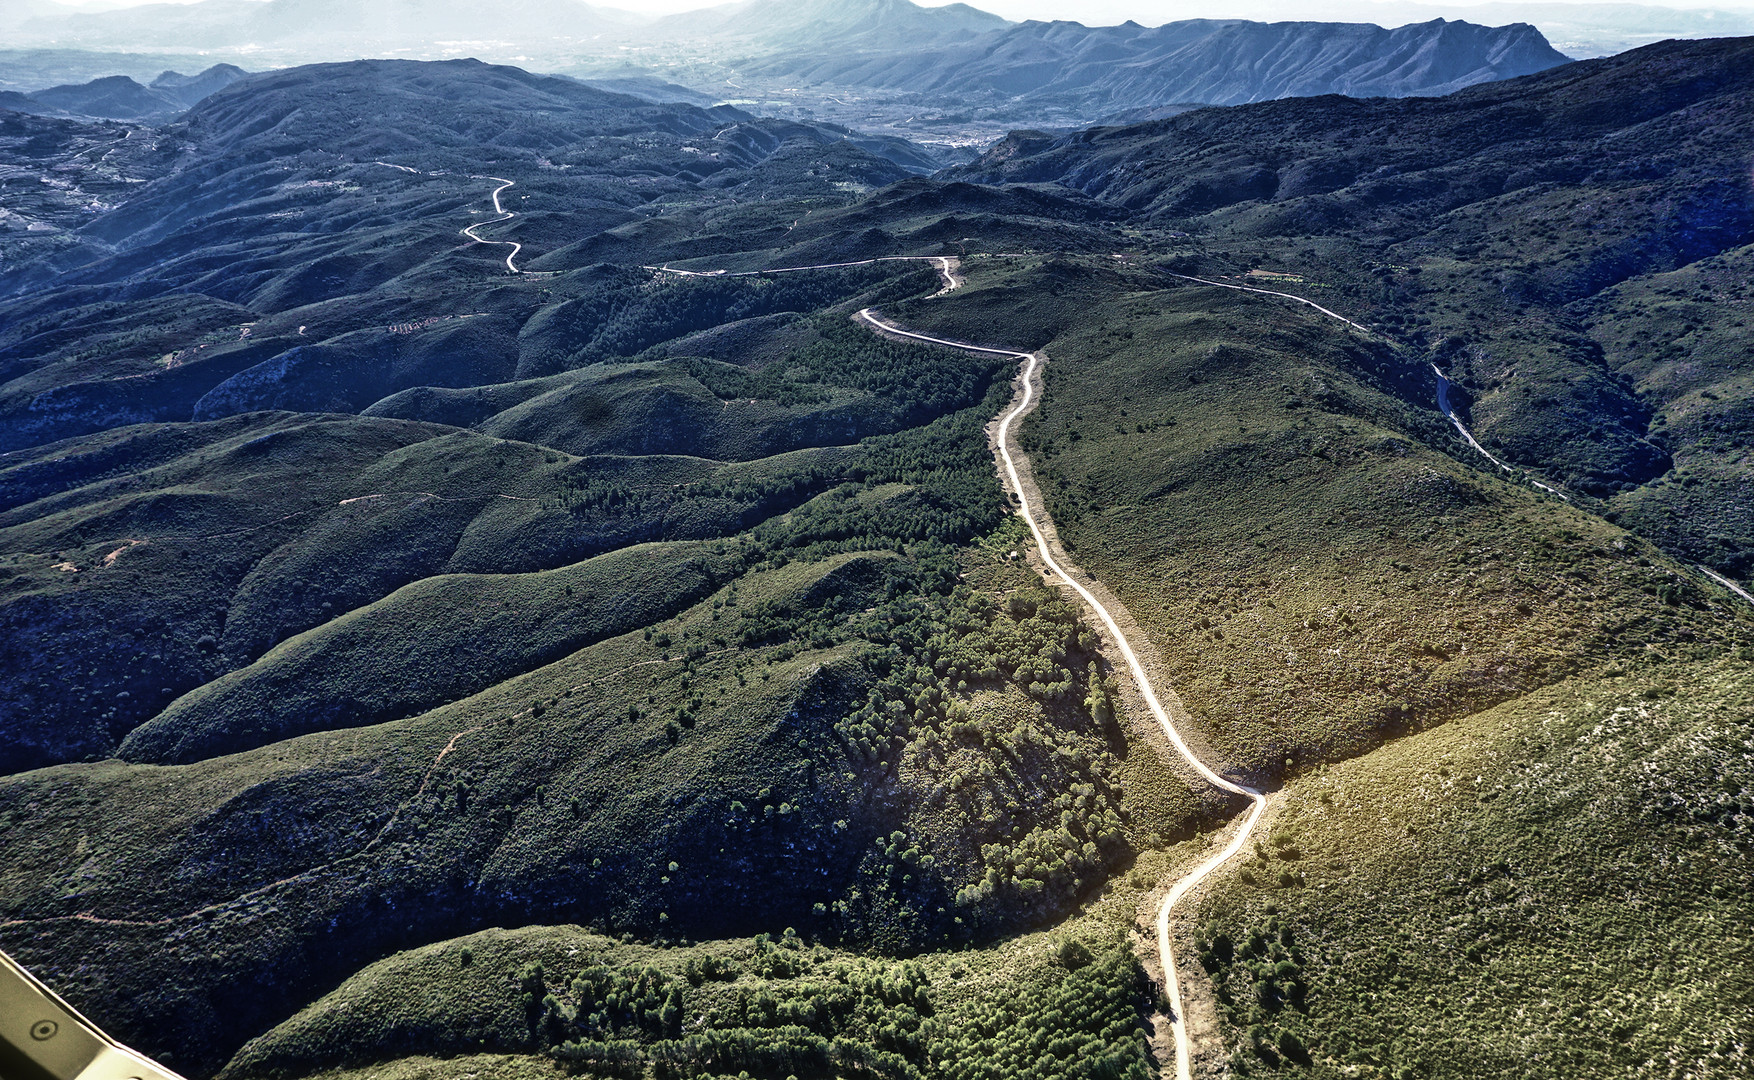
(1319,559)
(1538,887)
(398,656)
(1552,887)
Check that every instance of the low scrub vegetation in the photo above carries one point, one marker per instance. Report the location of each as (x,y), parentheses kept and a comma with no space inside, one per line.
(1045,1007)
(1542,889)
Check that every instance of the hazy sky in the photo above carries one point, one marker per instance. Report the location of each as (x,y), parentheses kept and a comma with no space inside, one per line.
(1148,12)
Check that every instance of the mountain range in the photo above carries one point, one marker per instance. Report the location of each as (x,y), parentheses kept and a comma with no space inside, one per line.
(1580,30)
(756,27)
(1116,68)
(118,97)
(892,54)
(322,29)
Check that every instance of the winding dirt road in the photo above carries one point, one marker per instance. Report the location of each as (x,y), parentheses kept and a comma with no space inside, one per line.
(947,268)
(1027,395)
(1727,583)
(1443,382)
(1444,407)
(469,230)
(1026,400)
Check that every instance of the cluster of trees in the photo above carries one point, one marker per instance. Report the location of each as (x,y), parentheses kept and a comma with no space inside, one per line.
(592,495)
(1086,1026)
(608,511)
(949,639)
(824,615)
(1033,819)
(610,495)
(778,383)
(604,1003)
(819,1017)
(711,968)
(1036,821)
(917,382)
(1036,641)
(795,1020)
(1258,977)
(950,494)
(908,383)
(943,509)
(1048,860)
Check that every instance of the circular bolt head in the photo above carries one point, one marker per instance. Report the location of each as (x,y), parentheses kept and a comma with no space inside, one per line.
(44,1030)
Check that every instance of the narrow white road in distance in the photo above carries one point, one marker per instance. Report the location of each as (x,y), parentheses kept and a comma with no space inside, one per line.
(1271,292)
(469,230)
(504,215)
(1443,382)
(947,266)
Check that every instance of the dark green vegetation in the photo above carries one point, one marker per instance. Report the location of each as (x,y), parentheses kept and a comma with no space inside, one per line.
(699,781)
(1683,339)
(775,1006)
(362,597)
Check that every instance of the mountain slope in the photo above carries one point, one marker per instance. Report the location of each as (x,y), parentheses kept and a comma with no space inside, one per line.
(1479,218)
(1500,877)
(191,89)
(818,25)
(116,97)
(601,156)
(892,52)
